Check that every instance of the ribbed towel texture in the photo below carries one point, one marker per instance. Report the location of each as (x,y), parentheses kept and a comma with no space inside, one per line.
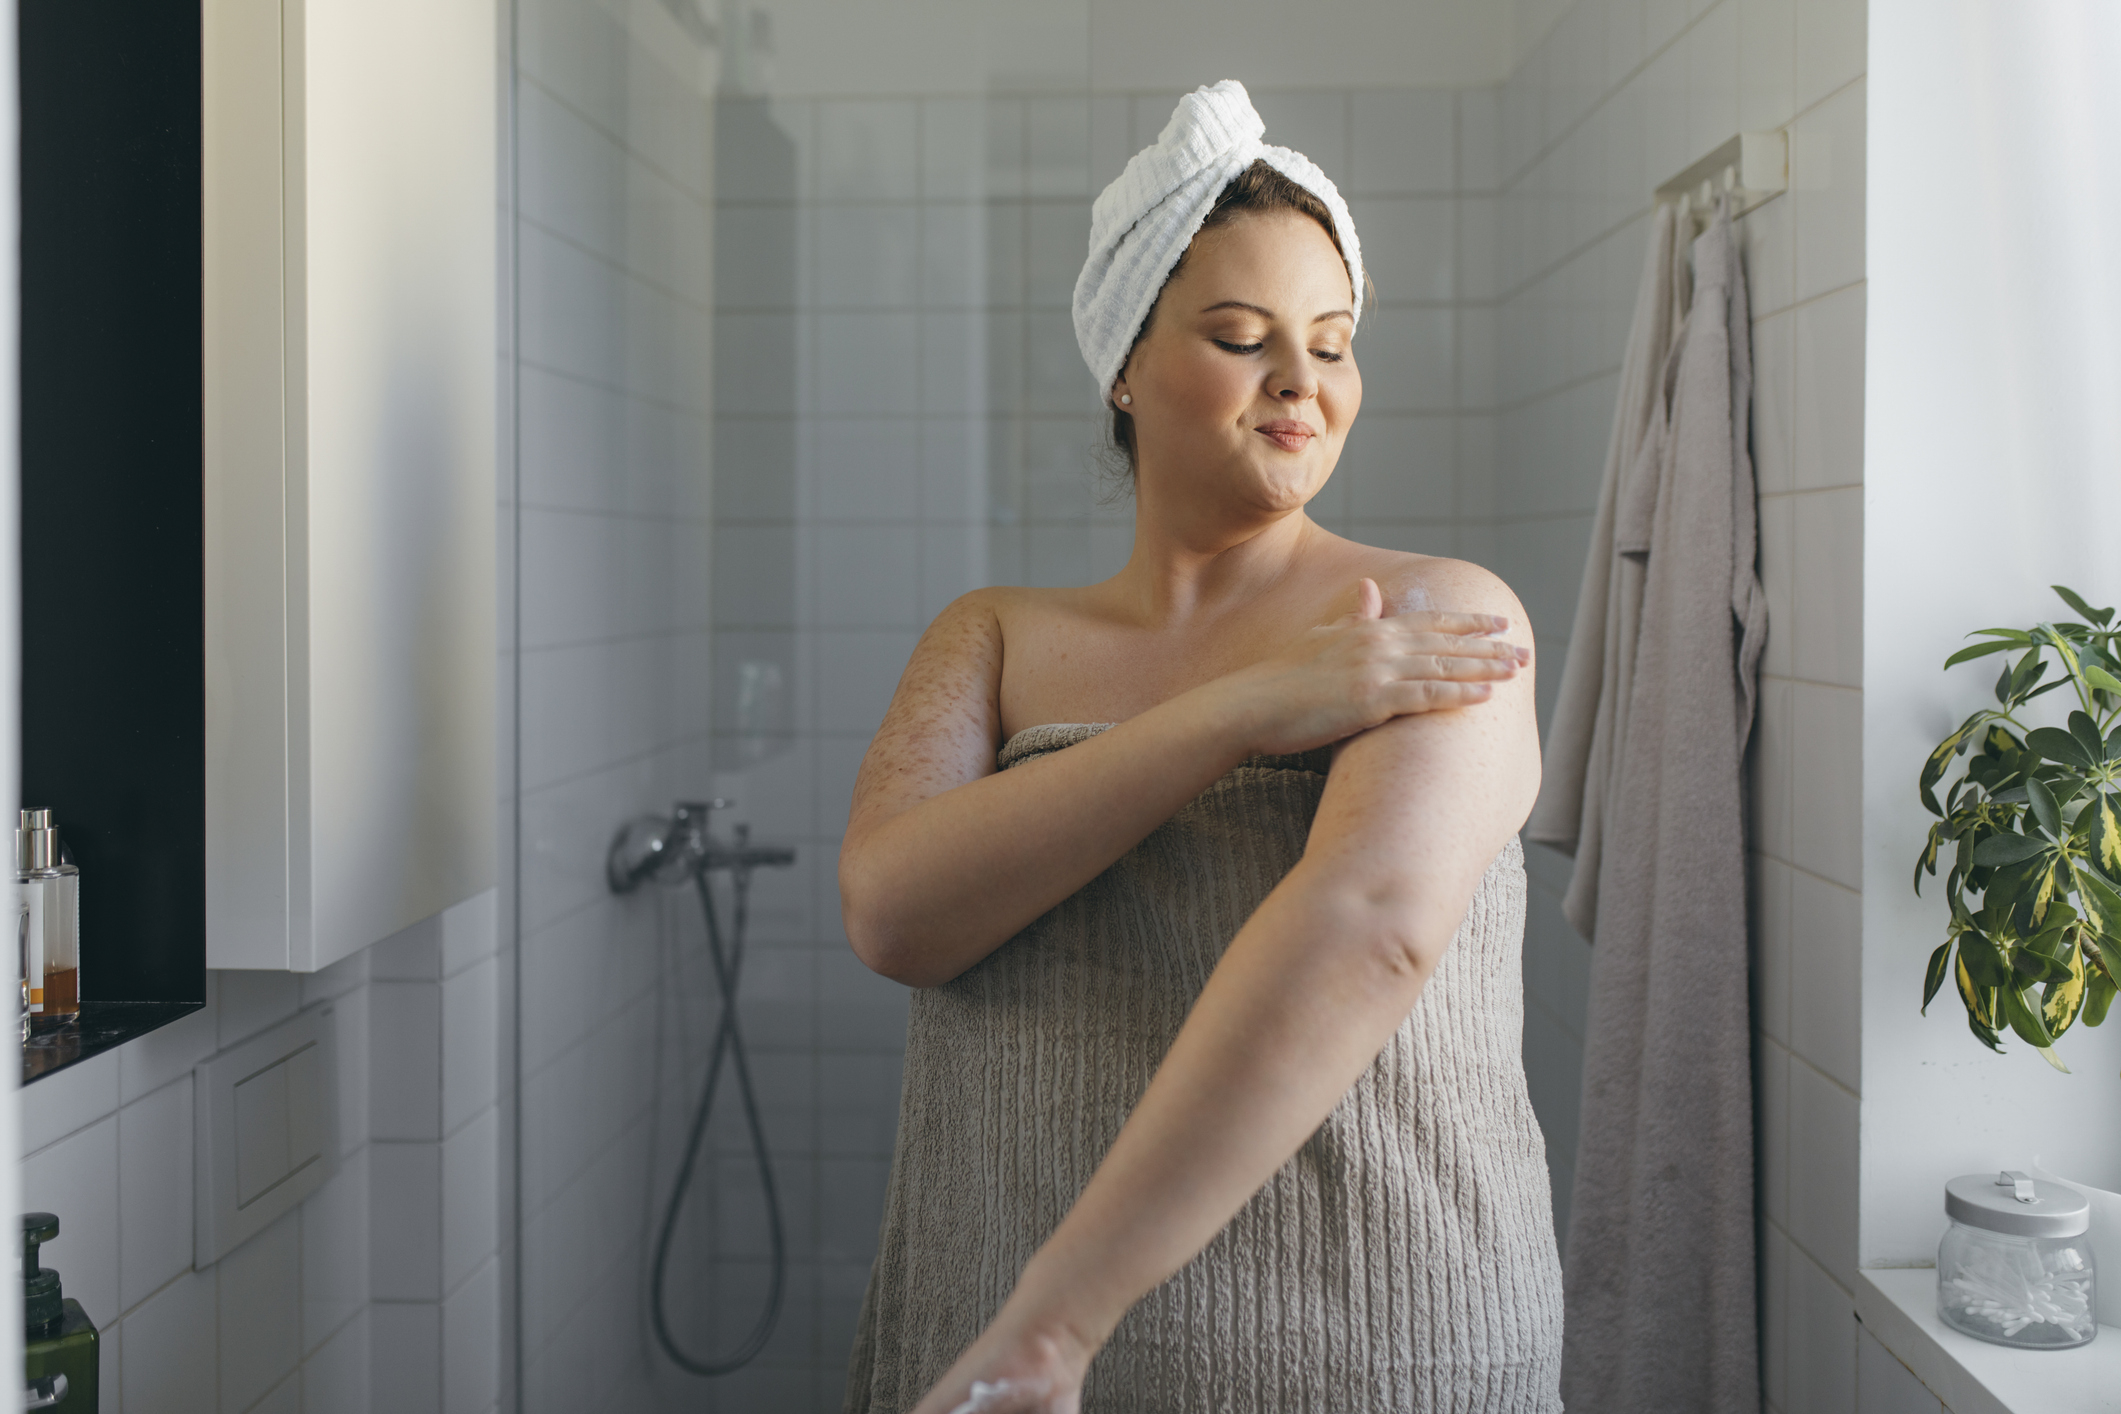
(1402,1263)
(1143,222)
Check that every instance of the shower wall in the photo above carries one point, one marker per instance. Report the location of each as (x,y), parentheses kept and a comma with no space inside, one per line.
(1617,97)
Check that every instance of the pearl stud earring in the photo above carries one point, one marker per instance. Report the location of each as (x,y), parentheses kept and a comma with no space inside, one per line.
(1126,397)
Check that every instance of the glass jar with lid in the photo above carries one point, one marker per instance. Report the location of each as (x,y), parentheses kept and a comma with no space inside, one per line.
(2015,1266)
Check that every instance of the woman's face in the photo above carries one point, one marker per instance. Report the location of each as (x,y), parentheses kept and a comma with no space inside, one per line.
(1245,384)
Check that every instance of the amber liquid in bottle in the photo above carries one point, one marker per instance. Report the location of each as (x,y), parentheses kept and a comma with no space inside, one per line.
(61,994)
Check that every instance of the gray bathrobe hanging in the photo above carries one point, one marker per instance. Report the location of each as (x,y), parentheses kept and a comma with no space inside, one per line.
(1645,768)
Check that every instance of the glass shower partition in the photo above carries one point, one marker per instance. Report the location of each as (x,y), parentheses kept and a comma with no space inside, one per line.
(792,368)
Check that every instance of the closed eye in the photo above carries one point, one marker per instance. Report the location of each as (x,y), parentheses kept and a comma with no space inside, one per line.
(1323,355)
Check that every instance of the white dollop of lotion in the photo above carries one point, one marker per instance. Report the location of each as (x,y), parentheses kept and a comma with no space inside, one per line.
(1415,598)
(1411,600)
(1005,1397)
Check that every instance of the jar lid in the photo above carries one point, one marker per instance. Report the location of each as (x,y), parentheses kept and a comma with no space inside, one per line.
(2018,1204)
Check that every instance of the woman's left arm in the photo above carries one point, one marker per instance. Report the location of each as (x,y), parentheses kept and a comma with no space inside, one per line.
(1304,999)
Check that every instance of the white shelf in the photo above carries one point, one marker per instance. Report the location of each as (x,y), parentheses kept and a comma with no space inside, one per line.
(1899,1306)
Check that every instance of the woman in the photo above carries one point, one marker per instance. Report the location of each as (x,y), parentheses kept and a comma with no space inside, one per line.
(1169,1095)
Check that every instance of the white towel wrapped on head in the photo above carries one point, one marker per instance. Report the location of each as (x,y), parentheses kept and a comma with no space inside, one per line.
(1144,221)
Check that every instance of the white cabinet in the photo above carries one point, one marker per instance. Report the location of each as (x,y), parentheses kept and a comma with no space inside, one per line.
(351,150)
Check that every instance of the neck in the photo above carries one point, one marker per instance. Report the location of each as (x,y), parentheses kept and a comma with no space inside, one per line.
(1187,568)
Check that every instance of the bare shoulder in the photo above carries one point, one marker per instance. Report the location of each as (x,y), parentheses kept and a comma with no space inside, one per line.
(956,671)
(1412,582)
(1428,756)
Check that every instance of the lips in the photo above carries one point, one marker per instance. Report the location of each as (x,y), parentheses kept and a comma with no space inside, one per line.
(1287,435)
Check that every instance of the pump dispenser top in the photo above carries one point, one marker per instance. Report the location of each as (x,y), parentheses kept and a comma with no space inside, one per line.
(36,841)
(59,1353)
(43,1304)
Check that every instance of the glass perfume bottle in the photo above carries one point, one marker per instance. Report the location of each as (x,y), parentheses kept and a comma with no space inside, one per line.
(51,895)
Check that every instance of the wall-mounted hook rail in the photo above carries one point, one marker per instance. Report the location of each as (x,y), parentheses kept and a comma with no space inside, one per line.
(1751,166)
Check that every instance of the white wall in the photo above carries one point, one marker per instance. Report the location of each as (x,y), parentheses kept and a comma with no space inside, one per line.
(1993,461)
(1616,97)
(382,1290)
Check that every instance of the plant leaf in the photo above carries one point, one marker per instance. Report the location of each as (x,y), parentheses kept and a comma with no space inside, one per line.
(2060,746)
(2040,899)
(1974,998)
(2064,649)
(2106,836)
(1940,963)
(2102,907)
(2043,897)
(1979,650)
(2099,992)
(2029,670)
(2076,601)
(1984,966)
(2025,1020)
(2007,848)
(1983,1034)
(2086,731)
(2029,968)
(2042,801)
(2100,678)
(2063,997)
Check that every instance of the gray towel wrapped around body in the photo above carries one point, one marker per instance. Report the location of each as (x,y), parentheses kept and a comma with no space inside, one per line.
(1402,1263)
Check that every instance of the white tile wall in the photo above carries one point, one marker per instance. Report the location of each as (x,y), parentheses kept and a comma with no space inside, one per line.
(1617,96)
(1885,1386)
(280,1325)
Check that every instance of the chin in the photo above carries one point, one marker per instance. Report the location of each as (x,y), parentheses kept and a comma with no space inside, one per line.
(1285,490)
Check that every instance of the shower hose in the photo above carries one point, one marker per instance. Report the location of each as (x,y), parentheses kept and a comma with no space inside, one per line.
(728,1046)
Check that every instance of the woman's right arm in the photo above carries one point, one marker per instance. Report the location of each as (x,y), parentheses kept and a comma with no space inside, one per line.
(946,859)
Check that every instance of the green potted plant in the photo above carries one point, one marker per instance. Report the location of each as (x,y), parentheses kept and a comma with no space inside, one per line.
(2031,832)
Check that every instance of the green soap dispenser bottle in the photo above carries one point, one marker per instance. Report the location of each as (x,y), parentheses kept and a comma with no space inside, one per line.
(59,1342)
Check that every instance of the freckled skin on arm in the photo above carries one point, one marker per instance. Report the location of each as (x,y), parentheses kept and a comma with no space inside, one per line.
(930,884)
(944,725)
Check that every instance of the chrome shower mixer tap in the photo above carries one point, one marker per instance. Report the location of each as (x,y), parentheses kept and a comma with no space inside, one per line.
(674,848)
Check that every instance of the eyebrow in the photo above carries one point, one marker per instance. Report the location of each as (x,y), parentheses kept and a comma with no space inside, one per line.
(1262,310)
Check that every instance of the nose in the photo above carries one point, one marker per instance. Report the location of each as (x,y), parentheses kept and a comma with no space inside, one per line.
(1293,379)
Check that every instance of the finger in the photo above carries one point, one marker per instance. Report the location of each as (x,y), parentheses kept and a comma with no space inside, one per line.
(1441,621)
(1457,646)
(1369,599)
(1369,604)
(1410,698)
(1447,667)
